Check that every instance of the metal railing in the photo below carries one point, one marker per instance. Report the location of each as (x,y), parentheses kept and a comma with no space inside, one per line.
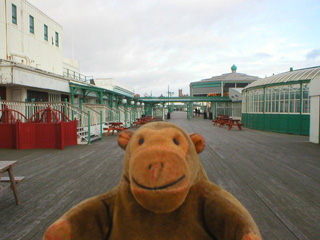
(76,76)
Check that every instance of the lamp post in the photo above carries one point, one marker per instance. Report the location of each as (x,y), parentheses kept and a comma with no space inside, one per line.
(132,108)
(124,102)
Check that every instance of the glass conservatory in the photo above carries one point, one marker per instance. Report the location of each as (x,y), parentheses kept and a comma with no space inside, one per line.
(280,103)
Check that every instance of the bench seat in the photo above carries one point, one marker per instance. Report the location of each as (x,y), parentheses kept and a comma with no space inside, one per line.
(16,179)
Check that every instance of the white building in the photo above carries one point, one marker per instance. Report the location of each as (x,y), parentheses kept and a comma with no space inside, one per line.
(32,65)
(33,72)
(31,37)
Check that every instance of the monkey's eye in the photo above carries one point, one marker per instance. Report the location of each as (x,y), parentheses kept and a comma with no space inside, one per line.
(141,140)
(176,141)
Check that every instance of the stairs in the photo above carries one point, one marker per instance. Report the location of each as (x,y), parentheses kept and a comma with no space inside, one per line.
(83,137)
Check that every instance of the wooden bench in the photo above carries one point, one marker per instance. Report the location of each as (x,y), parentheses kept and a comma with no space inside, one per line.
(16,179)
(6,166)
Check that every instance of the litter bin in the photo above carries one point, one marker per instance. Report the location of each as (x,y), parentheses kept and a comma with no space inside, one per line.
(168,115)
(205,115)
(210,115)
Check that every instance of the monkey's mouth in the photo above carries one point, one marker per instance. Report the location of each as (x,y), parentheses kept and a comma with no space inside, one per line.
(158,188)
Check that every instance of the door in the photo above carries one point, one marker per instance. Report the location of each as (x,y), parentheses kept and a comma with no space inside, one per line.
(3,93)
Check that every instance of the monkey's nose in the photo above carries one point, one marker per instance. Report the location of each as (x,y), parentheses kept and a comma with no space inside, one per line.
(156,169)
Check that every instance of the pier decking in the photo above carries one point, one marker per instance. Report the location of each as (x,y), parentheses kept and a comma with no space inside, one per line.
(276,176)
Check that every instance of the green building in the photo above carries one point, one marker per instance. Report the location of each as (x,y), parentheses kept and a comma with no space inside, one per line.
(221,86)
(280,103)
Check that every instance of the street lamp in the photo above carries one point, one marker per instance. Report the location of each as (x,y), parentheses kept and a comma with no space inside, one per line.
(132,102)
(124,101)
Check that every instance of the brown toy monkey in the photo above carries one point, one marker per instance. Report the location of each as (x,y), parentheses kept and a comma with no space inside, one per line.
(164,193)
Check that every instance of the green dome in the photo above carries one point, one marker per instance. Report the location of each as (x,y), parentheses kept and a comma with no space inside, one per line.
(234,68)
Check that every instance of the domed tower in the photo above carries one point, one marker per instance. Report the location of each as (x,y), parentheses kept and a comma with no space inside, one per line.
(234,68)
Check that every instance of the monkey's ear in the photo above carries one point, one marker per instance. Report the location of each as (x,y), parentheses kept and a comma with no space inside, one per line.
(198,142)
(124,138)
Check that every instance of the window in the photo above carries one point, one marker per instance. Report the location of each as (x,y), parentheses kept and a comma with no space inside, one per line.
(284,99)
(244,101)
(14,14)
(57,39)
(294,98)
(37,96)
(305,98)
(31,24)
(226,86)
(241,85)
(54,97)
(45,32)
(255,100)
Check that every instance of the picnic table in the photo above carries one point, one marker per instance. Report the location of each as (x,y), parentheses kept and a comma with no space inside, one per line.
(234,122)
(6,166)
(143,120)
(223,120)
(115,126)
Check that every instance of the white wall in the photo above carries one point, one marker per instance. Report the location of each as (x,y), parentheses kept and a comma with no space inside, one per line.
(314,92)
(106,83)
(111,84)
(33,79)
(314,119)
(30,48)
(71,64)
(2,30)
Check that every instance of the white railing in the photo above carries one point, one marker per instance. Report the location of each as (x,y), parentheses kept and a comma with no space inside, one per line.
(127,116)
(94,114)
(30,108)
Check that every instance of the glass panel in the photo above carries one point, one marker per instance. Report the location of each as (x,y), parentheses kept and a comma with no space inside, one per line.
(46,32)
(31,23)
(291,106)
(305,106)
(14,14)
(297,108)
(57,39)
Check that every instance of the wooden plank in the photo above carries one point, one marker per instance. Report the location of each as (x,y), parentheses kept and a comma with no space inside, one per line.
(276,176)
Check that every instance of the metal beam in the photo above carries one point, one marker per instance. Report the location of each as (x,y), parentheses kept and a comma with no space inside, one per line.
(184,99)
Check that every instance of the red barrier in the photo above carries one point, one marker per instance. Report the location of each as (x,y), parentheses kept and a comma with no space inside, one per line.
(48,132)
(7,135)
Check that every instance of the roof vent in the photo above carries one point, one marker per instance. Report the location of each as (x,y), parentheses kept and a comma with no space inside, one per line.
(291,69)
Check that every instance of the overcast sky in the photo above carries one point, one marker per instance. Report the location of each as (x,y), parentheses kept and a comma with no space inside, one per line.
(150,44)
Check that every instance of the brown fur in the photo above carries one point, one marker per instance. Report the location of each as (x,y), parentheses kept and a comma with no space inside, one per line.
(164,193)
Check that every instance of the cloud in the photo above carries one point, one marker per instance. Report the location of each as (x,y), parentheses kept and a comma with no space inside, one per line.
(152,44)
(315,53)
(262,55)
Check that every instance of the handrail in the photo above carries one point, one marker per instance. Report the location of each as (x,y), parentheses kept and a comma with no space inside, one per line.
(76,76)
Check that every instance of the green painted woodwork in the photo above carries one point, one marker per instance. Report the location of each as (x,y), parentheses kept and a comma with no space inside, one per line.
(125,114)
(282,123)
(100,124)
(202,85)
(100,97)
(183,99)
(148,109)
(84,91)
(89,128)
(215,109)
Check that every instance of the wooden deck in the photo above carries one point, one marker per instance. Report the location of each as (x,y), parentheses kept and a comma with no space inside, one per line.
(276,176)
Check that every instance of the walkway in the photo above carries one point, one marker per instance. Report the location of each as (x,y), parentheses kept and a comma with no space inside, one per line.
(276,176)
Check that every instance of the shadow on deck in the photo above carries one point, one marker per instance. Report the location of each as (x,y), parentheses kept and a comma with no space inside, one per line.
(276,176)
